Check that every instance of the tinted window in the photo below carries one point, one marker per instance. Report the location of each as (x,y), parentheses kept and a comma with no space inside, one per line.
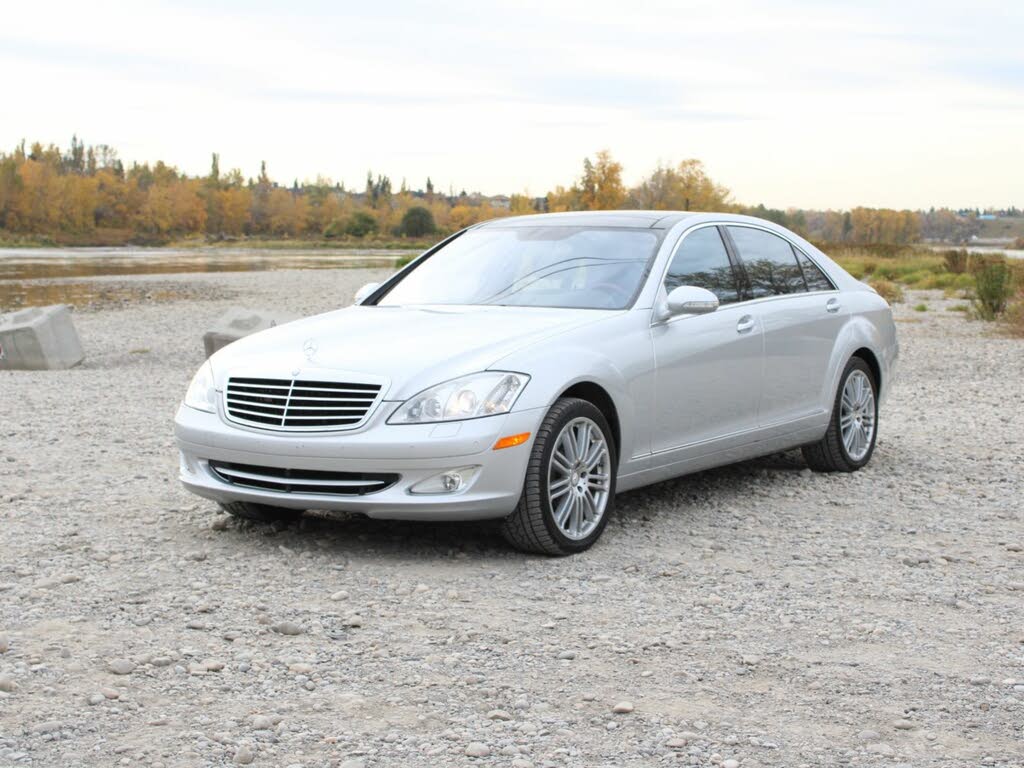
(816,279)
(703,261)
(769,261)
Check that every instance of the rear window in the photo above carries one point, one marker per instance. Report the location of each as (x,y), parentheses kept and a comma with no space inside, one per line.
(770,263)
(816,279)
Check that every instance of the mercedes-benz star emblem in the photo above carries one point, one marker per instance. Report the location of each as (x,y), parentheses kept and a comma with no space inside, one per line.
(310,349)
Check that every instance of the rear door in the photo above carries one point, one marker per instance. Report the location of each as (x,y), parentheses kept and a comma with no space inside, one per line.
(801,316)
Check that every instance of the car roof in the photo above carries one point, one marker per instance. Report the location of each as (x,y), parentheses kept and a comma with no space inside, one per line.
(637,219)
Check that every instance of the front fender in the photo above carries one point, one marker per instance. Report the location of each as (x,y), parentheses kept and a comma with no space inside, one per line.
(586,356)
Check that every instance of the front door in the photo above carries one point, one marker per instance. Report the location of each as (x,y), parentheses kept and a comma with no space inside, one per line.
(708,367)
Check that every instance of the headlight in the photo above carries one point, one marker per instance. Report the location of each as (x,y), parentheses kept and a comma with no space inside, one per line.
(479,394)
(200,394)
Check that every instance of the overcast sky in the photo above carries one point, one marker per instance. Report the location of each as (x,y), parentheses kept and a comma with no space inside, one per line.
(809,104)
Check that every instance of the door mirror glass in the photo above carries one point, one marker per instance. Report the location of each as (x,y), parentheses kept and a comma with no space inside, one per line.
(363,293)
(691,300)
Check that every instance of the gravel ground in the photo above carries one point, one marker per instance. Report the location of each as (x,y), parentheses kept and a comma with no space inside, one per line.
(756,615)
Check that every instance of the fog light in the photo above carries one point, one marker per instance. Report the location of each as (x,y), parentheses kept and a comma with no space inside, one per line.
(449,481)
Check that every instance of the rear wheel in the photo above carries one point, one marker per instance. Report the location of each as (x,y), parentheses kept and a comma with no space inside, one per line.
(569,491)
(853,428)
(260,513)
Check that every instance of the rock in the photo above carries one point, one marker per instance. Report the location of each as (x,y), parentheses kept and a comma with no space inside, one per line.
(730,763)
(96,698)
(262,722)
(221,523)
(675,743)
(287,628)
(869,736)
(521,762)
(881,748)
(110,693)
(238,322)
(623,708)
(356,763)
(121,666)
(353,621)
(903,725)
(244,755)
(477,749)
(498,714)
(567,655)
(39,339)
(5,644)
(300,668)
(340,595)
(7,684)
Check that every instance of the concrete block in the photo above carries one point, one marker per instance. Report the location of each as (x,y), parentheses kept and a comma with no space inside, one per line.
(39,339)
(241,321)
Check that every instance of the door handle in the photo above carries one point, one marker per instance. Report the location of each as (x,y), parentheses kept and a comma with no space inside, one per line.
(832,306)
(745,325)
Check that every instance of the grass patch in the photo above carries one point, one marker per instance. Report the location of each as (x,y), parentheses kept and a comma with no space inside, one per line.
(959,308)
(888,290)
(921,308)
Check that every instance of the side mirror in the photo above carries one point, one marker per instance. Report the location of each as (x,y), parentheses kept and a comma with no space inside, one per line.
(691,300)
(364,292)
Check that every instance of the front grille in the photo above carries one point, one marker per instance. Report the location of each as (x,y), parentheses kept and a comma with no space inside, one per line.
(299,405)
(302,480)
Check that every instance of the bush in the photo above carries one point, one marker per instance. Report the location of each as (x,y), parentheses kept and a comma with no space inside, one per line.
(921,308)
(956,261)
(335,229)
(361,224)
(888,290)
(417,222)
(993,287)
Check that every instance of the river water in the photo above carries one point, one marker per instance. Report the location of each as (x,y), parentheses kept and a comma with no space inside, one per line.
(40,276)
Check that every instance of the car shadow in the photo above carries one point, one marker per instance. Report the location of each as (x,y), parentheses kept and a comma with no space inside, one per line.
(356,535)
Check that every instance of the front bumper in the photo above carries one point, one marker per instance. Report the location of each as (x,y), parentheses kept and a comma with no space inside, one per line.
(414,452)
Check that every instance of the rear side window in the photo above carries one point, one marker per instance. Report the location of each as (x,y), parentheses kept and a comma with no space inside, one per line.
(816,279)
(770,263)
(703,261)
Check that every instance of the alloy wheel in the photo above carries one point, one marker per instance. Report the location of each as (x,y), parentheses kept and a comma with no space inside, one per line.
(579,473)
(857,415)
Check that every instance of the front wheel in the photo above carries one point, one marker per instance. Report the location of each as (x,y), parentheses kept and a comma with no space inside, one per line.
(569,491)
(853,427)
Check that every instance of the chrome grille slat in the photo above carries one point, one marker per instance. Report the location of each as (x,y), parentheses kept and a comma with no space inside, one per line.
(304,481)
(299,404)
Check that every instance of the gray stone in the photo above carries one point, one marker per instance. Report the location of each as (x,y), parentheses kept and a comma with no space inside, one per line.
(241,321)
(477,749)
(244,755)
(287,628)
(121,666)
(39,339)
(623,708)
(7,685)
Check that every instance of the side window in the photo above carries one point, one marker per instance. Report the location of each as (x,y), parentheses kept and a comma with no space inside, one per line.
(703,261)
(816,279)
(769,261)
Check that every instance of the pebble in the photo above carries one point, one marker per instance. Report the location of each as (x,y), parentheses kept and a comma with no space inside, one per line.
(567,655)
(7,684)
(5,644)
(730,763)
(498,714)
(287,628)
(354,620)
(244,755)
(903,725)
(340,595)
(623,708)
(477,749)
(121,666)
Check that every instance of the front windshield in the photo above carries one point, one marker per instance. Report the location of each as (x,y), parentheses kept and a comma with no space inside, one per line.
(553,266)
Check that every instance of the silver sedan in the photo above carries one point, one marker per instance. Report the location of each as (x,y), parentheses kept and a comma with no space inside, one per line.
(528,369)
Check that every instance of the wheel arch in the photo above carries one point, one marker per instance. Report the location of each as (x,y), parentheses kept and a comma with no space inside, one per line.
(869,357)
(599,397)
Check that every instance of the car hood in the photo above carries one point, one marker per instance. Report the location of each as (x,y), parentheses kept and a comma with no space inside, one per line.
(405,348)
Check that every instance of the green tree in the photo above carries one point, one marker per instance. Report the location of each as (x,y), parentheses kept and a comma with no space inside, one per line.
(361,224)
(417,222)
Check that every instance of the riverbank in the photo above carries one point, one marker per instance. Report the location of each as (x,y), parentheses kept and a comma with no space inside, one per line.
(760,613)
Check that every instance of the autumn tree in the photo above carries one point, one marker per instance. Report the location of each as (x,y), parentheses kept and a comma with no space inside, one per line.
(685,187)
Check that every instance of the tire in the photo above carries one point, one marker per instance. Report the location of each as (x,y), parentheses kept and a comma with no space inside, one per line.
(260,513)
(532,527)
(832,453)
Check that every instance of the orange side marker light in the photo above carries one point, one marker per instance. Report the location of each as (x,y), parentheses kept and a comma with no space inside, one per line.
(511,441)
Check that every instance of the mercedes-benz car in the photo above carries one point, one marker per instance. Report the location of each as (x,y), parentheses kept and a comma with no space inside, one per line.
(527,369)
